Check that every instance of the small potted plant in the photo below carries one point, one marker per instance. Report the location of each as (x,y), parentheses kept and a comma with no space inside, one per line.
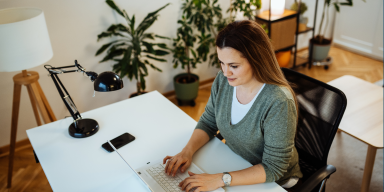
(320,44)
(195,38)
(133,47)
(303,21)
(249,8)
(186,84)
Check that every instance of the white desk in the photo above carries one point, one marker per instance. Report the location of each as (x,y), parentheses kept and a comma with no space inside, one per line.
(160,128)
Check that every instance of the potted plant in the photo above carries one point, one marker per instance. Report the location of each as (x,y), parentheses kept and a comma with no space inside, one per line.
(197,23)
(303,21)
(320,44)
(133,47)
(249,9)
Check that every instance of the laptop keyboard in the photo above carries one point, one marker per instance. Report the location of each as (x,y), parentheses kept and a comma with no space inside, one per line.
(167,182)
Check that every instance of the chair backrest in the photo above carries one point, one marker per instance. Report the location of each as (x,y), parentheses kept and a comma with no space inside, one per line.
(321,108)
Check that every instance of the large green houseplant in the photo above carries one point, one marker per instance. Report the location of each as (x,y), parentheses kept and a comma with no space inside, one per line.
(193,44)
(320,44)
(133,46)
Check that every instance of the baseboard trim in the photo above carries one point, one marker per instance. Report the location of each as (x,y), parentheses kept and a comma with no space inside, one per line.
(360,52)
(202,84)
(22,144)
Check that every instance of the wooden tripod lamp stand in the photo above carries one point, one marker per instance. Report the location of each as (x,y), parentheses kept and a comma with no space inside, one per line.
(24,44)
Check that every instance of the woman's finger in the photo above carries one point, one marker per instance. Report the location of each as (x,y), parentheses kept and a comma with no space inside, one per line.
(198,189)
(177,165)
(169,161)
(190,173)
(188,181)
(166,158)
(185,166)
(191,186)
(184,183)
(181,183)
(170,165)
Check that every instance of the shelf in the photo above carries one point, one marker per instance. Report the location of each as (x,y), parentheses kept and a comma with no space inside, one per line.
(306,30)
(280,32)
(285,48)
(299,61)
(286,15)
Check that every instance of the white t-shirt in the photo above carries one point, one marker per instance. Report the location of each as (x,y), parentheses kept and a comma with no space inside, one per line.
(238,110)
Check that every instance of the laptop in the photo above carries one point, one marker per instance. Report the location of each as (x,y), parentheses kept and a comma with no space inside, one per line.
(154,177)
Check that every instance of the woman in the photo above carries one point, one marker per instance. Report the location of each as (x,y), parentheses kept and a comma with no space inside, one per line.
(255,110)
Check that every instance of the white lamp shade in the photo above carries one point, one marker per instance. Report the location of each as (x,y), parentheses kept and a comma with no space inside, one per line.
(24,39)
(277,7)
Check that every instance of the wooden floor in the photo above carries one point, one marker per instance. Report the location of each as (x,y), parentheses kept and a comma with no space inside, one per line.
(29,176)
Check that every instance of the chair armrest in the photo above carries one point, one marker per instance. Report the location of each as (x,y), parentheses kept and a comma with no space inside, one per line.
(316,178)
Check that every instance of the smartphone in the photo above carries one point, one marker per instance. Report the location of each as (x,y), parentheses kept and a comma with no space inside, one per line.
(119,141)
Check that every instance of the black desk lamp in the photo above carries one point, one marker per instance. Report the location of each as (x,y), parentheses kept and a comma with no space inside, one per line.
(106,81)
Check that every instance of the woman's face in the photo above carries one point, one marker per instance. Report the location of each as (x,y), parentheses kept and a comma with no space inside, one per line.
(235,67)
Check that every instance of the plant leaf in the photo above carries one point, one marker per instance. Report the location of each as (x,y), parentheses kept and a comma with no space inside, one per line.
(104,47)
(162,37)
(126,62)
(136,45)
(154,67)
(110,55)
(135,66)
(114,7)
(145,70)
(147,36)
(149,20)
(132,24)
(160,53)
(149,47)
(157,59)
(117,68)
(162,45)
(337,7)
(142,82)
(349,3)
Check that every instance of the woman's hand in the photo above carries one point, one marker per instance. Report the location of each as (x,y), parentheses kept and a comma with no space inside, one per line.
(202,182)
(183,159)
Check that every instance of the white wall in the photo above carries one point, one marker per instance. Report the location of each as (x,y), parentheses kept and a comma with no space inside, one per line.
(360,28)
(73,27)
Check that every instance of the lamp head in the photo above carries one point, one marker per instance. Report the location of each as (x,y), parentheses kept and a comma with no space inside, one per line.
(107,81)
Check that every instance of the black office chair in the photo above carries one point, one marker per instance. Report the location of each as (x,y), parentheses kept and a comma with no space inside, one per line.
(321,108)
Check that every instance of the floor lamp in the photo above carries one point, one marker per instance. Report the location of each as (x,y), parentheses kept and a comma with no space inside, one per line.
(24,44)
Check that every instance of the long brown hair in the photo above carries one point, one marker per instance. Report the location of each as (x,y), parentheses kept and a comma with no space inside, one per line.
(250,39)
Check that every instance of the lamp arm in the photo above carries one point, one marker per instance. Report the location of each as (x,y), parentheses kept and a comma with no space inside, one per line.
(107,81)
(58,70)
(53,71)
(66,98)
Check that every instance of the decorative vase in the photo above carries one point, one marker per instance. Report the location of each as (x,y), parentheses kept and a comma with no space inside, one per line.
(283,58)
